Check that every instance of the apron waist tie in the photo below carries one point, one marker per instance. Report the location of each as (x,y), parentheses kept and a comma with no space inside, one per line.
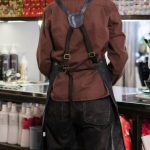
(70,92)
(71,85)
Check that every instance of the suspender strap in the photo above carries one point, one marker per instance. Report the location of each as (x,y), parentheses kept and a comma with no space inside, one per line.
(70,90)
(88,45)
(68,40)
(86,6)
(66,10)
(75,20)
(67,55)
(62,6)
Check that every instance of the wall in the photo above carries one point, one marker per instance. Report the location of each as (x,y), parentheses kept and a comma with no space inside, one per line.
(25,35)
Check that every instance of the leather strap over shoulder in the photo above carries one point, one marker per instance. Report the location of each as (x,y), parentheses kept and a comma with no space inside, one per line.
(63,7)
(86,6)
(75,19)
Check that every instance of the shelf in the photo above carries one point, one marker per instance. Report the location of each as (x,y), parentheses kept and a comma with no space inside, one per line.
(136,17)
(19,98)
(11,147)
(124,17)
(20,18)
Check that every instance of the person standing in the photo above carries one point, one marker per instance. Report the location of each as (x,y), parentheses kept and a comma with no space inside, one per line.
(81,111)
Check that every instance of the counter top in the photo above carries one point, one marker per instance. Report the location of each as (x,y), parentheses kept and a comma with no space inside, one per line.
(40,89)
(126,99)
(29,92)
(30,89)
(124,95)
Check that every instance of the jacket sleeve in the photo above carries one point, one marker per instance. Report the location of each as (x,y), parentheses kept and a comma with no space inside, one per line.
(45,46)
(117,52)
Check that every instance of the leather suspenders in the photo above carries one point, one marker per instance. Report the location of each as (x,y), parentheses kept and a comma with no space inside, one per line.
(76,21)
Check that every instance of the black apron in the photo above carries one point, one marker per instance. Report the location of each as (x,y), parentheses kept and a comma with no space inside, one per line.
(76,21)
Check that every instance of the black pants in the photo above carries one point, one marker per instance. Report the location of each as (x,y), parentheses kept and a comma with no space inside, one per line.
(86,126)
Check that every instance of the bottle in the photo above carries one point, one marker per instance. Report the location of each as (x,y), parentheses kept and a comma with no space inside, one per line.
(5,62)
(13,125)
(3,124)
(42,108)
(35,137)
(37,119)
(36,128)
(14,59)
(23,68)
(36,111)
(1,59)
(9,104)
(21,115)
(26,123)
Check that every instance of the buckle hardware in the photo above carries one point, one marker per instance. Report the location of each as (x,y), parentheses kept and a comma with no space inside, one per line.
(91,54)
(67,56)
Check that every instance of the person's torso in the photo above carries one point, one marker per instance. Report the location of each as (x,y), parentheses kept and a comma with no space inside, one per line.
(88,85)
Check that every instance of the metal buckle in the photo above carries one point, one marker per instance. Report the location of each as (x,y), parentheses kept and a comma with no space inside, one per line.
(67,56)
(91,54)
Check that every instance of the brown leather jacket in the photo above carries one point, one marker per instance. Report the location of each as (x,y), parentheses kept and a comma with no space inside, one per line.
(103,24)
